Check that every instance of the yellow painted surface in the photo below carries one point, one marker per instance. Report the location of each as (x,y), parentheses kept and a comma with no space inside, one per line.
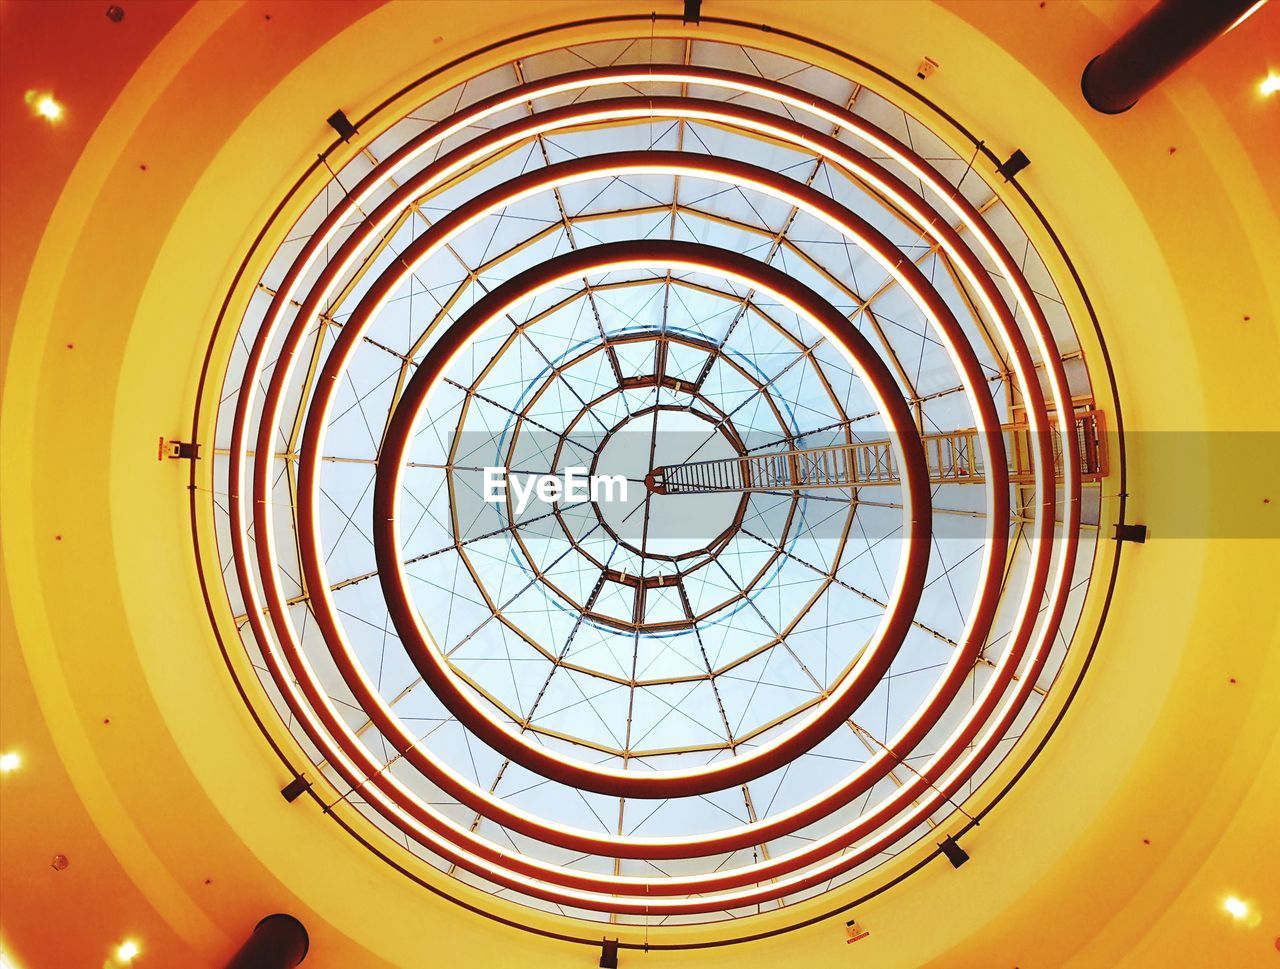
(170,813)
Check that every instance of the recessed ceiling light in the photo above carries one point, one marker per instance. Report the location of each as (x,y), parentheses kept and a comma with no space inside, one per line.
(10,761)
(44,105)
(47,107)
(1235,907)
(1270,84)
(127,951)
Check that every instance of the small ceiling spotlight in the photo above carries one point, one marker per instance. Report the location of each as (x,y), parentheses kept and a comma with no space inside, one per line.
(44,105)
(1270,84)
(127,951)
(10,761)
(1235,907)
(1014,164)
(953,852)
(339,122)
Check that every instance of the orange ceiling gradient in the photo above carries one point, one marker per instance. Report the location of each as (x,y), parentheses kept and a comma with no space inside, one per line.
(123,223)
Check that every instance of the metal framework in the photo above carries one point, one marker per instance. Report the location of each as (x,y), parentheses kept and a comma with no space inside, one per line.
(580,707)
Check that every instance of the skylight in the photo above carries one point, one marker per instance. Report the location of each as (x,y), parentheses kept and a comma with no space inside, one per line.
(762,297)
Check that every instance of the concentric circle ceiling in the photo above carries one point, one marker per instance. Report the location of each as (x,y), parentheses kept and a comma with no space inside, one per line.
(854,463)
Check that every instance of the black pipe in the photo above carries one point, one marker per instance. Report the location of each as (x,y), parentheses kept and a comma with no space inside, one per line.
(278,942)
(1170,34)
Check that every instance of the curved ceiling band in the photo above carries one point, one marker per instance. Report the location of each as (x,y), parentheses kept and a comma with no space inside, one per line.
(304,314)
(1057,384)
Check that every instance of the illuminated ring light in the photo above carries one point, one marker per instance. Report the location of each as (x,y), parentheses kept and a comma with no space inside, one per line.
(583,776)
(852,788)
(351,333)
(933,785)
(425,657)
(873,662)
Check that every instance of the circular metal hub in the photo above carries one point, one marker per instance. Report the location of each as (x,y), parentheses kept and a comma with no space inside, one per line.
(654,527)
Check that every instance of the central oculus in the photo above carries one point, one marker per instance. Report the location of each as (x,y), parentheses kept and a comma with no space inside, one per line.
(654,525)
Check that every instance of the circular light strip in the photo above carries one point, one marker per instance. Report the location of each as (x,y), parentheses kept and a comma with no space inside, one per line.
(999,465)
(417,640)
(563,174)
(1058,385)
(548,763)
(351,332)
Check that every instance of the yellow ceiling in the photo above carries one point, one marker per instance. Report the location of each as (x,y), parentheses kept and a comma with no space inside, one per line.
(123,226)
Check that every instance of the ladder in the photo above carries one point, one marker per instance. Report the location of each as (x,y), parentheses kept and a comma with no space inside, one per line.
(953,457)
